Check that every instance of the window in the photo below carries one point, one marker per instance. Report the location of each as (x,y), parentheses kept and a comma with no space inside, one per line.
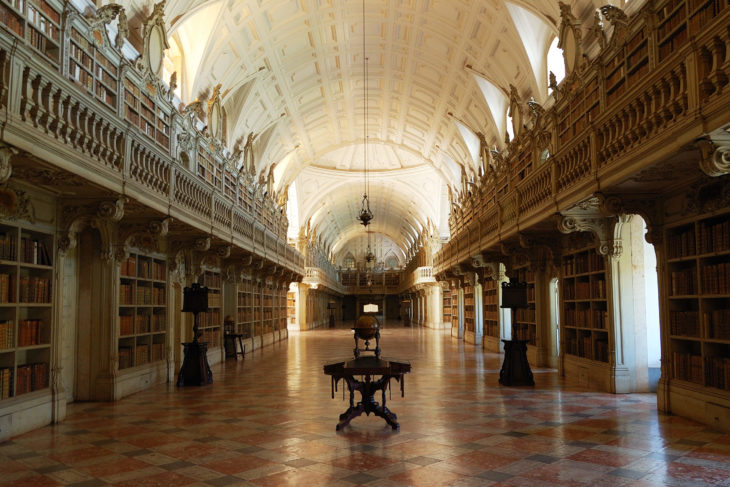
(555,61)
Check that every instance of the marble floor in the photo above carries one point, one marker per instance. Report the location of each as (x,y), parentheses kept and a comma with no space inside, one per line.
(269,420)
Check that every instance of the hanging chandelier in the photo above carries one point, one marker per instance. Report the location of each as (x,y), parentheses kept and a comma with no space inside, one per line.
(365,215)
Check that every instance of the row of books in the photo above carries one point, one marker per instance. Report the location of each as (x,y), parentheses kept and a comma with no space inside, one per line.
(701,18)
(144,268)
(687,367)
(491,328)
(209,318)
(143,295)
(586,318)
(35,289)
(673,43)
(141,354)
(526,314)
(31,377)
(34,251)
(525,332)
(684,323)
(125,357)
(586,347)
(681,244)
(212,337)
(6,382)
(214,299)
(7,288)
(716,278)
(714,237)
(7,242)
(30,332)
(582,263)
(6,334)
(717,323)
(683,282)
(717,372)
(142,323)
(584,289)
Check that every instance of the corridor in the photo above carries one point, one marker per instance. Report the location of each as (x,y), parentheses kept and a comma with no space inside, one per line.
(269,420)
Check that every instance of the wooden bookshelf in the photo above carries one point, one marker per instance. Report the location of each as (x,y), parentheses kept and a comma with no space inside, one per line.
(142,110)
(244,309)
(525,324)
(210,322)
(26,309)
(38,22)
(671,30)
(454,309)
(268,309)
(698,277)
(490,304)
(584,303)
(92,70)
(446,303)
(469,311)
(142,310)
(291,308)
(208,168)
(627,65)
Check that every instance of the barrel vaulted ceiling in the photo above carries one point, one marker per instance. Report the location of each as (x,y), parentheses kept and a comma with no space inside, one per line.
(292,74)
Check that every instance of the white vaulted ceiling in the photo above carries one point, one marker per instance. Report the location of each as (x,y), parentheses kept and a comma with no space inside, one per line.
(292,73)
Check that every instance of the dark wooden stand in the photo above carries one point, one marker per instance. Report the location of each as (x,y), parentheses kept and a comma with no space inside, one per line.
(515,368)
(367,386)
(229,344)
(195,370)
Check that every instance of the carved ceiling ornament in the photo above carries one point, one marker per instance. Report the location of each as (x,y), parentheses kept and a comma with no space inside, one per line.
(147,236)
(215,114)
(104,16)
(714,159)
(16,204)
(648,207)
(154,35)
(515,111)
(570,39)
(597,31)
(587,216)
(620,22)
(6,168)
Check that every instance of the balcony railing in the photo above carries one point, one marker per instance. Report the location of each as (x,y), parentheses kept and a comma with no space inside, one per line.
(82,106)
(612,126)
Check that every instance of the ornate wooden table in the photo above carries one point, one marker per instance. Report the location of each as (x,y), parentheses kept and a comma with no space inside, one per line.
(367,368)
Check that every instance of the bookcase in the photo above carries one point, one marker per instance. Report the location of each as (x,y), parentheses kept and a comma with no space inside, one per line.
(208,168)
(525,324)
(89,68)
(469,314)
(291,308)
(698,277)
(627,65)
(268,309)
(454,311)
(281,318)
(209,323)
(142,310)
(584,303)
(490,305)
(244,309)
(26,273)
(580,112)
(142,110)
(446,303)
(36,21)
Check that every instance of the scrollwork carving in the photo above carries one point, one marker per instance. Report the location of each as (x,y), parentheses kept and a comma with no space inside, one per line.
(6,168)
(112,210)
(619,20)
(714,160)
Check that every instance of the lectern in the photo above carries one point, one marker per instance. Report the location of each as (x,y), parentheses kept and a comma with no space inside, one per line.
(195,370)
(515,368)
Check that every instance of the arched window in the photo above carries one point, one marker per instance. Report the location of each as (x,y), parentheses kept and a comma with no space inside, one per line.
(555,61)
(349,262)
(391,262)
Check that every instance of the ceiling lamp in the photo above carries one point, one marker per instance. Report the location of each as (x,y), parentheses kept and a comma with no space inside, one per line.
(365,215)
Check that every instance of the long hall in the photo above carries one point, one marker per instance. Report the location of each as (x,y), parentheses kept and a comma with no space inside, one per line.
(269,420)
